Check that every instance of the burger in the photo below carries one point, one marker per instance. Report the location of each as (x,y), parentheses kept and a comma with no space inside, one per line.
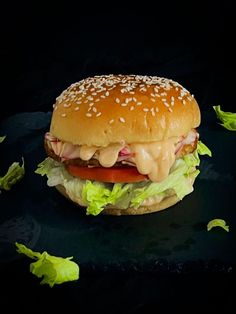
(123,144)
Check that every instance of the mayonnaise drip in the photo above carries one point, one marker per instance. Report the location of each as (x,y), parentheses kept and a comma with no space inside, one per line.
(108,155)
(152,159)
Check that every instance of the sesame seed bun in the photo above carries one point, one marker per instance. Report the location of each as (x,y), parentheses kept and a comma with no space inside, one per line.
(107,109)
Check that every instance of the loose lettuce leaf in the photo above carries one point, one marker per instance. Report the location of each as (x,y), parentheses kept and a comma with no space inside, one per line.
(228,119)
(2,138)
(202,149)
(53,269)
(217,223)
(14,174)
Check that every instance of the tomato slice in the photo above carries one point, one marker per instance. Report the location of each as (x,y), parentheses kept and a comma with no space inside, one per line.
(113,175)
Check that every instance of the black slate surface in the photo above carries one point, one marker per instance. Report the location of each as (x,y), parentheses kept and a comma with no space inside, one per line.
(171,241)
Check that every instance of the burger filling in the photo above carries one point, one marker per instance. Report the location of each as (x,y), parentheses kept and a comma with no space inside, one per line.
(123,175)
(139,161)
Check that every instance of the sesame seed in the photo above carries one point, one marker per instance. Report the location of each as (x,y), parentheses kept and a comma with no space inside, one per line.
(166,104)
(143,89)
(122,119)
(63,115)
(145,109)
(111,121)
(89,115)
(153,95)
(91,104)
(107,93)
(117,100)
(98,114)
(55,108)
(139,103)
(170,109)
(156,109)
(153,100)
(102,96)
(78,102)
(124,105)
(184,102)
(94,109)
(172,98)
(127,100)
(131,108)
(66,105)
(163,99)
(153,112)
(180,98)
(76,108)
(176,88)
(97,100)
(132,92)
(94,94)
(134,99)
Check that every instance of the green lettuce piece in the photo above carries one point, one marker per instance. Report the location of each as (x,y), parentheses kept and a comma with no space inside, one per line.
(228,119)
(14,174)
(176,180)
(202,149)
(45,166)
(53,269)
(2,138)
(97,195)
(217,223)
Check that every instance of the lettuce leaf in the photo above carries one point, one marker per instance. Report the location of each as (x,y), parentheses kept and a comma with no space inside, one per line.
(45,166)
(53,269)
(2,138)
(178,180)
(202,149)
(96,195)
(14,174)
(228,119)
(217,223)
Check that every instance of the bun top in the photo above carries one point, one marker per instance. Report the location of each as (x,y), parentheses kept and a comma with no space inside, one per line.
(107,109)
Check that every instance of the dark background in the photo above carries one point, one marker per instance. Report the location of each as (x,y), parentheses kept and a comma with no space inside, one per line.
(45,48)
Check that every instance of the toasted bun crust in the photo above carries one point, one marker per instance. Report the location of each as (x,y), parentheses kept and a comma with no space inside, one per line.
(109,109)
(165,203)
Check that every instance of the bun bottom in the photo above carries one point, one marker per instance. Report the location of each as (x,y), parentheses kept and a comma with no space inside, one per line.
(165,203)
